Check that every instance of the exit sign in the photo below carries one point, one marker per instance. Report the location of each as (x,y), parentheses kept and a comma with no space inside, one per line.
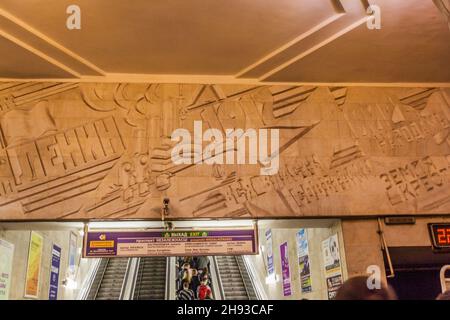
(440,235)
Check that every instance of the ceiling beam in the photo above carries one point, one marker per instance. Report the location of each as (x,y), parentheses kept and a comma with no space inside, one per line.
(31,39)
(347,16)
(288,45)
(214,79)
(38,53)
(314,48)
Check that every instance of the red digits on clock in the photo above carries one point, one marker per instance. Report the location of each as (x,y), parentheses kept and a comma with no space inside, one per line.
(443,235)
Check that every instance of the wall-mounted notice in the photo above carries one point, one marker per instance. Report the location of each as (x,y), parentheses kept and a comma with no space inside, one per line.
(269,244)
(303,261)
(34,265)
(72,254)
(6,260)
(285,270)
(332,264)
(170,243)
(54,273)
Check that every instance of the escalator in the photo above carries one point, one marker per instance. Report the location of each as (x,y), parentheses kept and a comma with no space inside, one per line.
(151,279)
(109,279)
(128,279)
(234,278)
(155,278)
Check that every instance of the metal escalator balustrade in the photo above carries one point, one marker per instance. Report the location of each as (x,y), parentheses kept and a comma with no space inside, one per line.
(235,281)
(93,287)
(249,285)
(151,279)
(109,280)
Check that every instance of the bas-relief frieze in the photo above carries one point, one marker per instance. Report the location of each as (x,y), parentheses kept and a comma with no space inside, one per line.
(103,151)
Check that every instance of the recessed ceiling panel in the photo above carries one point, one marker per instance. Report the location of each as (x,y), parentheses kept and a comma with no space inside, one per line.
(413,45)
(174,36)
(17,62)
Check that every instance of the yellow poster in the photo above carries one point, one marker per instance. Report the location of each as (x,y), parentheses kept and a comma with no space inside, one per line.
(34,265)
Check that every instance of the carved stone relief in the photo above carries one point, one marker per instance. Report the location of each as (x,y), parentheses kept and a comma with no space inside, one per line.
(103,151)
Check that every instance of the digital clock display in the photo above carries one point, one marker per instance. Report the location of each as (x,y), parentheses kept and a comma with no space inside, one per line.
(440,235)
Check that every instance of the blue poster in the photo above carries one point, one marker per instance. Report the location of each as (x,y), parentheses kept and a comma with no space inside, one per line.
(72,254)
(54,273)
(303,261)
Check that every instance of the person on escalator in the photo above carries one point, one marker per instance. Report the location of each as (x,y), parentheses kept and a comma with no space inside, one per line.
(186,271)
(195,281)
(189,260)
(204,275)
(184,274)
(185,293)
(180,262)
(204,291)
(209,296)
(202,263)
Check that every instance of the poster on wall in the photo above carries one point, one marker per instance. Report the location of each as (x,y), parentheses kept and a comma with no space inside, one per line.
(34,265)
(332,264)
(73,239)
(269,243)
(6,261)
(333,285)
(54,273)
(303,261)
(285,270)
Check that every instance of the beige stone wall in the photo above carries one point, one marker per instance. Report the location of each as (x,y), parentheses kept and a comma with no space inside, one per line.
(20,239)
(315,238)
(102,150)
(363,246)
(416,235)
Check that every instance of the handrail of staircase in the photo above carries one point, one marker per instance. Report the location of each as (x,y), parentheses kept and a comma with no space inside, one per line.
(89,280)
(129,279)
(140,274)
(216,280)
(101,278)
(171,272)
(167,285)
(259,289)
(242,276)
(135,276)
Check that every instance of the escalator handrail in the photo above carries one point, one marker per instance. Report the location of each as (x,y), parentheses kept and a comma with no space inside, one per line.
(171,278)
(129,279)
(86,287)
(167,286)
(242,276)
(124,280)
(132,279)
(218,281)
(257,288)
(101,278)
(138,283)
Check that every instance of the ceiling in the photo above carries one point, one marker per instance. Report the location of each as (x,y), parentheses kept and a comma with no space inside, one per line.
(238,41)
